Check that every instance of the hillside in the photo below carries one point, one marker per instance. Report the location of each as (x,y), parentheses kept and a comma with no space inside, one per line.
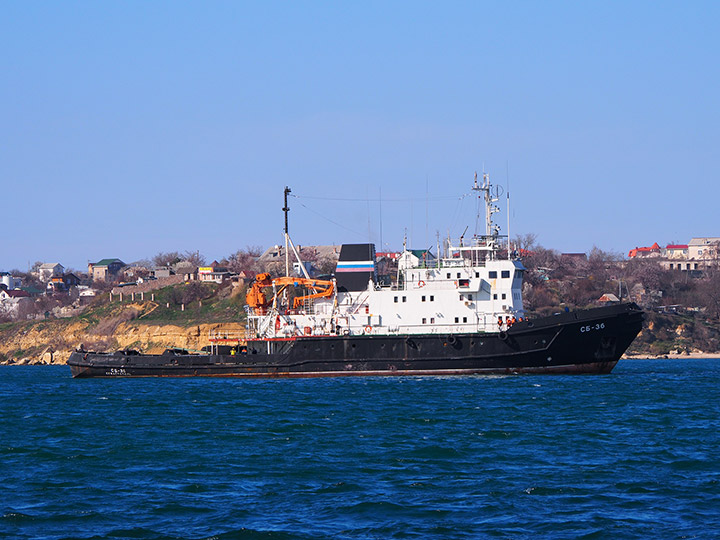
(180,316)
(184,316)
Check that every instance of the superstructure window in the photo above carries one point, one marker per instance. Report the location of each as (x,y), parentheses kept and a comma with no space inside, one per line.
(492,274)
(504,296)
(423,299)
(495,296)
(505,274)
(396,299)
(448,275)
(404,298)
(477,274)
(458,275)
(469,296)
(432,320)
(464,319)
(457,319)
(424,320)
(432,298)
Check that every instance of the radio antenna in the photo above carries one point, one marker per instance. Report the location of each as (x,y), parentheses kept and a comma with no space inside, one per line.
(507,177)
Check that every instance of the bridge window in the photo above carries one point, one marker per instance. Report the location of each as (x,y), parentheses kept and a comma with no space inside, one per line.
(505,274)
(492,274)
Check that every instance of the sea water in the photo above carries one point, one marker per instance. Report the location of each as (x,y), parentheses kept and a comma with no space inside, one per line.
(634,454)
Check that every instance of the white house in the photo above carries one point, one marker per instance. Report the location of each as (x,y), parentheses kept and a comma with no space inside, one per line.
(47,271)
(704,248)
(9,281)
(11,301)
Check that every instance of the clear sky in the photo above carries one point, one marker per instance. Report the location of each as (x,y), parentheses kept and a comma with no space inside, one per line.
(129,128)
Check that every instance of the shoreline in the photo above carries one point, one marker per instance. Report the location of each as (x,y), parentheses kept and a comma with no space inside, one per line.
(674,356)
(681,356)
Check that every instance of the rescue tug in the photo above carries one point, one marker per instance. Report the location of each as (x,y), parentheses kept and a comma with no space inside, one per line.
(457,314)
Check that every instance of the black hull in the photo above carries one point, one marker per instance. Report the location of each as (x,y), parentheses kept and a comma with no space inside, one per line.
(588,341)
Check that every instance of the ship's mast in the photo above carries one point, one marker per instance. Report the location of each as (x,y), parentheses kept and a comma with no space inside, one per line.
(286,209)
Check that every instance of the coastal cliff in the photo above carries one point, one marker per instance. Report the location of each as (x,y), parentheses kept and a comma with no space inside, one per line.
(52,341)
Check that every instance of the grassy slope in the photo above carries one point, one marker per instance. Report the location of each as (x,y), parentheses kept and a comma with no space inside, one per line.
(96,325)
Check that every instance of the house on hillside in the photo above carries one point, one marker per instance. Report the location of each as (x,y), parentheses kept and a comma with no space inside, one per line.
(71,280)
(9,282)
(56,284)
(706,248)
(163,272)
(417,258)
(388,255)
(643,252)
(12,301)
(47,271)
(608,298)
(676,251)
(213,273)
(105,269)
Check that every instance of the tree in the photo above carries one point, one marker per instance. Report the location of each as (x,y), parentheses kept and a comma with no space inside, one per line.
(166,259)
(525,242)
(245,260)
(194,291)
(195,258)
(709,292)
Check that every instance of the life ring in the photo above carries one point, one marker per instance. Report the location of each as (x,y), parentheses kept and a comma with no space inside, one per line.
(502,335)
(421,283)
(451,340)
(368,329)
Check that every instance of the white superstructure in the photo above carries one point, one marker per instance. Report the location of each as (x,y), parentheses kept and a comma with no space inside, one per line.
(468,289)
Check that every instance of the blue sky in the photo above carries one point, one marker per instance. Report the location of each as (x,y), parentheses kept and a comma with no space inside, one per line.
(129,128)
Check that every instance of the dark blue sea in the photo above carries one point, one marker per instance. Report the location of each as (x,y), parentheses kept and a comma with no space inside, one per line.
(635,454)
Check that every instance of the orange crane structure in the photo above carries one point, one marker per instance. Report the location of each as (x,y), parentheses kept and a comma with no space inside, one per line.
(257,300)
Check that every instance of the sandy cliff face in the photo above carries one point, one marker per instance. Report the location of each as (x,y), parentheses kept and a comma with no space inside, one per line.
(155,338)
(52,342)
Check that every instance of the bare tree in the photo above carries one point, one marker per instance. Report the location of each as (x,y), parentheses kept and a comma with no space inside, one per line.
(525,242)
(709,292)
(195,258)
(245,260)
(166,259)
